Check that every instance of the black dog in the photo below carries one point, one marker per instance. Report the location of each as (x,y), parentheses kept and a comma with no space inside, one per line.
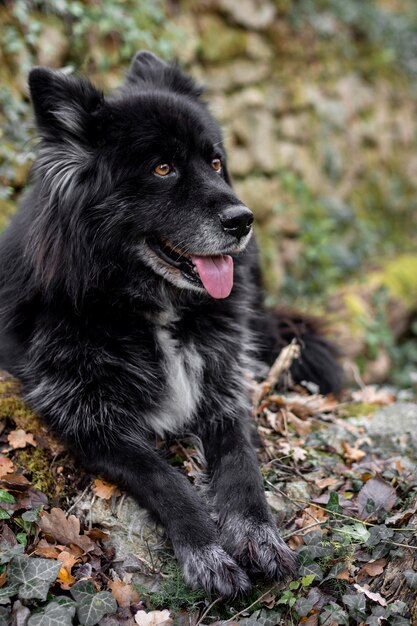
(130,306)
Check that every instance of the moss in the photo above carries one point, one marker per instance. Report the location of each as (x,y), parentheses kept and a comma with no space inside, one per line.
(219,42)
(359,409)
(37,463)
(400,278)
(13,408)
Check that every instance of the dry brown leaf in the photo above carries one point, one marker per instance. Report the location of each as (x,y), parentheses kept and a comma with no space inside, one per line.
(65,579)
(372,395)
(68,560)
(381,493)
(351,453)
(20,439)
(343,575)
(49,552)
(373,568)
(105,490)
(323,483)
(3,578)
(96,534)
(376,597)
(312,512)
(6,466)
(153,618)
(64,530)
(15,482)
(124,593)
(302,427)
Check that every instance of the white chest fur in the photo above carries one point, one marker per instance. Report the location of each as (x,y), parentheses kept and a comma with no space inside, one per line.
(182,384)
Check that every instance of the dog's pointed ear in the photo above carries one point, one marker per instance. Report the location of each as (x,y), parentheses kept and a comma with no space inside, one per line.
(147,68)
(65,107)
(145,64)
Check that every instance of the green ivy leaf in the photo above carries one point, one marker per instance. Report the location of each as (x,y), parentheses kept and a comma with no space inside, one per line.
(333,504)
(356,605)
(5,496)
(33,576)
(6,554)
(92,606)
(356,532)
(54,614)
(33,515)
(5,514)
(303,606)
(6,593)
(411,578)
(307,580)
(5,618)
(311,569)
(332,613)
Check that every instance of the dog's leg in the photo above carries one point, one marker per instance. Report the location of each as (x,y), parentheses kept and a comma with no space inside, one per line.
(171,499)
(247,529)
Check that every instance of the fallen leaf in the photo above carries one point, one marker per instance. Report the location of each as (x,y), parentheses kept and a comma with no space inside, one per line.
(65,531)
(105,490)
(49,552)
(377,492)
(6,466)
(301,427)
(153,618)
(351,453)
(343,575)
(124,593)
(372,395)
(97,535)
(65,579)
(376,597)
(20,439)
(323,483)
(15,482)
(373,568)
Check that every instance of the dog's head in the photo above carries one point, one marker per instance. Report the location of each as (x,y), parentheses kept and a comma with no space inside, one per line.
(142,171)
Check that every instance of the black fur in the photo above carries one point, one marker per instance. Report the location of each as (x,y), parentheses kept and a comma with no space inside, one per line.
(112,345)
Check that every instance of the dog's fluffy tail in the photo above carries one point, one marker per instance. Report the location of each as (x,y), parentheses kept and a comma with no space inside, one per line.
(319,359)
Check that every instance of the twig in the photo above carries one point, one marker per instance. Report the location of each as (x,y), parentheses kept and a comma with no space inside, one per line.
(282,363)
(250,606)
(302,531)
(323,508)
(206,612)
(401,545)
(74,504)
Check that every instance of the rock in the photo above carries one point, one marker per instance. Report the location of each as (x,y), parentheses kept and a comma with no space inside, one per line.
(260,193)
(186,47)
(234,74)
(255,129)
(130,531)
(298,491)
(255,14)
(53,45)
(393,429)
(219,42)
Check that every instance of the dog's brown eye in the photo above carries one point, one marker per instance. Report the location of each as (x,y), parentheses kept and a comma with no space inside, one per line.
(162,169)
(216,164)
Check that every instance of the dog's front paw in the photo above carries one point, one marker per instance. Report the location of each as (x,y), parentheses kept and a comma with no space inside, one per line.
(257,547)
(213,569)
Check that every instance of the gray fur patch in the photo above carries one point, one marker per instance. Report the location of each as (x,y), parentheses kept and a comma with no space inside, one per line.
(257,547)
(183,367)
(214,570)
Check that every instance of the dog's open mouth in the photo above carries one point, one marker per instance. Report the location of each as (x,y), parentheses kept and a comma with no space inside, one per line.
(212,273)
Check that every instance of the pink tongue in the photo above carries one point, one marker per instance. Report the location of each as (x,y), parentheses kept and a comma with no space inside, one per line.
(216,274)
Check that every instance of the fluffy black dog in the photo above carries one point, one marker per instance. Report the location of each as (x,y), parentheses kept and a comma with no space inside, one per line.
(130,306)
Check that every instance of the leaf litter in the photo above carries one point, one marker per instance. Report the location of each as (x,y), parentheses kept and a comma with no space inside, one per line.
(351,516)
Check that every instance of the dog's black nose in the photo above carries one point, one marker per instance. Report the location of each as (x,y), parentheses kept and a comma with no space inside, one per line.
(236,220)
